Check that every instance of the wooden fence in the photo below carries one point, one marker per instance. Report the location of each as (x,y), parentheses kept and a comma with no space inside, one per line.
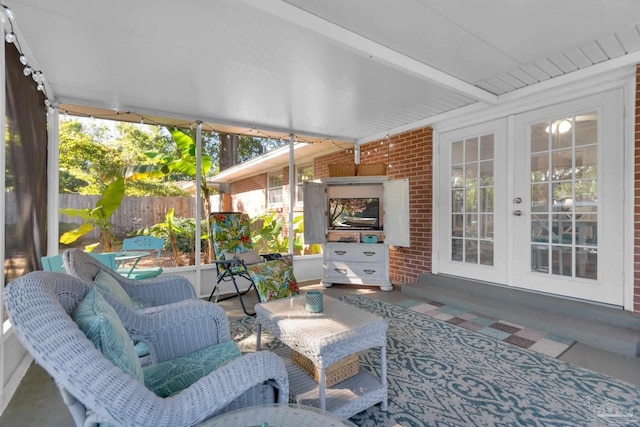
(133,213)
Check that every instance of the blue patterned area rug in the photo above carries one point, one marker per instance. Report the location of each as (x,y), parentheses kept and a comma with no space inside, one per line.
(442,375)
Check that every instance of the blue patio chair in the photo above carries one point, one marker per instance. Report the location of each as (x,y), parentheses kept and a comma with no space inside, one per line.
(55,263)
(142,243)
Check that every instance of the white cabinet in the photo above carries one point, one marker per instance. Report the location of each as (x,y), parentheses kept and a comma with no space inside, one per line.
(346,258)
(358,263)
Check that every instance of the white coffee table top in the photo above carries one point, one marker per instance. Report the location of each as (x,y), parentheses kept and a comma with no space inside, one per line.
(326,337)
(275,416)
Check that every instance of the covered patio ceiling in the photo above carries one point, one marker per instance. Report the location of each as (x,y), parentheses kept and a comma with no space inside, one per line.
(350,71)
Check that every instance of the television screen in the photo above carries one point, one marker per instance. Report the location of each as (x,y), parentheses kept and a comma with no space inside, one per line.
(356,212)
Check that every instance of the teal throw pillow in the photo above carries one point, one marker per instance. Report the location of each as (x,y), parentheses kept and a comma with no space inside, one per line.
(100,323)
(109,285)
(172,376)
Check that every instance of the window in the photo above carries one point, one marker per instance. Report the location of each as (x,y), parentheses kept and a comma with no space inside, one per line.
(304,173)
(275,188)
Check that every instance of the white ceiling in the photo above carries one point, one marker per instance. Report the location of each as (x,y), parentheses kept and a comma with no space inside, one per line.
(351,70)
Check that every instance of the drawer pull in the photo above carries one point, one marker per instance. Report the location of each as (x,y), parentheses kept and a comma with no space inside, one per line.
(369,271)
(340,252)
(341,270)
(369,253)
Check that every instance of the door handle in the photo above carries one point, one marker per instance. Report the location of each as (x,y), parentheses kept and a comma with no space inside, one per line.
(340,252)
(517,212)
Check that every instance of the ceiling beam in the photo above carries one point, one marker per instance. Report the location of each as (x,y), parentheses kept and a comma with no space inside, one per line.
(374,50)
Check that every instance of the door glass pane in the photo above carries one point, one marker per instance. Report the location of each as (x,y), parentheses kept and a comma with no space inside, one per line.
(471,175)
(540,167)
(457,152)
(561,133)
(486,199)
(471,150)
(564,197)
(486,253)
(587,162)
(539,138)
(540,197)
(457,201)
(586,129)
(561,165)
(486,147)
(472,204)
(586,266)
(457,176)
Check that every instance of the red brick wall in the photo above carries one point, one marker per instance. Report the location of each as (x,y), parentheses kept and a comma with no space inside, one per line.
(321,164)
(250,195)
(409,155)
(636,221)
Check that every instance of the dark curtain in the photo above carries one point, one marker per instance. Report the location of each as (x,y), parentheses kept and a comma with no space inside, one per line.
(26,170)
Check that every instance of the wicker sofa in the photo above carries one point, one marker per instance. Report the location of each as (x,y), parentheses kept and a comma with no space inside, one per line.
(41,305)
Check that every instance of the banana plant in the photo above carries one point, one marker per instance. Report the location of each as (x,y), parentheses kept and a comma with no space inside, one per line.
(185,164)
(270,238)
(97,217)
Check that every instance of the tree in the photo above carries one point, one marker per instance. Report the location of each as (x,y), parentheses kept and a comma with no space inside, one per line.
(90,152)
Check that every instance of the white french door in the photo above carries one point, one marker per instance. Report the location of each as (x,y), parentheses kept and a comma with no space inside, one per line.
(536,201)
(567,204)
(472,208)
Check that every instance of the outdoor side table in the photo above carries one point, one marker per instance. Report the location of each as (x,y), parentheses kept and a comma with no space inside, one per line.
(326,338)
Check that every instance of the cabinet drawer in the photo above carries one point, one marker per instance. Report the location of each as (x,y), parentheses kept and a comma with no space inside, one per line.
(355,272)
(356,252)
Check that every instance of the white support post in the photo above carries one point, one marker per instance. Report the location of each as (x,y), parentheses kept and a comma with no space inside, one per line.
(4,399)
(292,188)
(53,180)
(199,177)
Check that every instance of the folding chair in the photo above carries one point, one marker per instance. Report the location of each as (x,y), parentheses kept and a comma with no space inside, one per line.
(269,275)
(142,243)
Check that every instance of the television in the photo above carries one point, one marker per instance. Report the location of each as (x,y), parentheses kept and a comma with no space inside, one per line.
(354,213)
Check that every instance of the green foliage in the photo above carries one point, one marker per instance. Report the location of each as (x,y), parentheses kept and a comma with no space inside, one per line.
(83,161)
(91,153)
(178,234)
(97,217)
(269,237)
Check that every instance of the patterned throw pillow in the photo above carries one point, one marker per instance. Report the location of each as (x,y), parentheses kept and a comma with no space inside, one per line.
(172,376)
(100,323)
(274,280)
(109,285)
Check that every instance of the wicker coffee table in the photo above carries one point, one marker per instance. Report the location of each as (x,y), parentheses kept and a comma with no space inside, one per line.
(326,338)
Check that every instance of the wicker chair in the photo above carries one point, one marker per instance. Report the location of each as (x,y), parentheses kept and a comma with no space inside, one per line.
(39,305)
(157,291)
